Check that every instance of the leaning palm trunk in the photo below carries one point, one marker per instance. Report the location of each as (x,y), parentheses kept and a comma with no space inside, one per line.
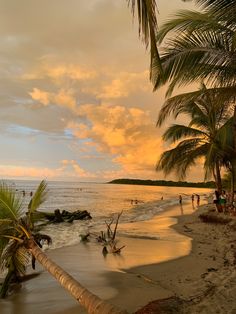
(92,303)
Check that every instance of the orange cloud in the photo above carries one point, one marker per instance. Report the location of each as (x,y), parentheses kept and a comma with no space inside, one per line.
(124,84)
(64,98)
(128,134)
(69,169)
(41,96)
(50,68)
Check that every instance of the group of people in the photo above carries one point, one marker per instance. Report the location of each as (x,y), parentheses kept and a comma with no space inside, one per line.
(192,198)
(220,200)
(197,197)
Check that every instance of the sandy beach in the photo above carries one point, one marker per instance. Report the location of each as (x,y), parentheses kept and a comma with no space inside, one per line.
(192,261)
(204,280)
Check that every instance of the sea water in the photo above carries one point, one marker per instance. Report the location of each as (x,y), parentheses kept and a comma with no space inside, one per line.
(104,202)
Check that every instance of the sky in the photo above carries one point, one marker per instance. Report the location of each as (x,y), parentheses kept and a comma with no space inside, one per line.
(76,103)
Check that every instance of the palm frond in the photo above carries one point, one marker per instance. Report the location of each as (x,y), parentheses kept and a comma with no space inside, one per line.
(180,158)
(147,20)
(39,197)
(188,21)
(10,203)
(177,132)
(202,48)
(17,255)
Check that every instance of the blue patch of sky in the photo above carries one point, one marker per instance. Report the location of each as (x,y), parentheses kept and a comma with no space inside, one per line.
(23,130)
(68,133)
(39,151)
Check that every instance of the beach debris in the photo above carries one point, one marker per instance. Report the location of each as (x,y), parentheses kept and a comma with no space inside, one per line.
(84,237)
(62,216)
(106,238)
(187,229)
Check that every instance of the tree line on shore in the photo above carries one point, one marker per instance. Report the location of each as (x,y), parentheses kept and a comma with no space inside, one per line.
(209,184)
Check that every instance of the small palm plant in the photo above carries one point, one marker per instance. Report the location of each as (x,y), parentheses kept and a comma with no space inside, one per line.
(19,241)
(16,227)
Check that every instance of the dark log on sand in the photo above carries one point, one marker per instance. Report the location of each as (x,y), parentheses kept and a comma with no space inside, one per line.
(62,216)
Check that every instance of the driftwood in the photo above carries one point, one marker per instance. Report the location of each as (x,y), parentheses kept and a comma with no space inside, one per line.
(107,239)
(62,216)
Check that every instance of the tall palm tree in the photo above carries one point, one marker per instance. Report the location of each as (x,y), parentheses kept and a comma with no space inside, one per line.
(201,46)
(18,239)
(206,135)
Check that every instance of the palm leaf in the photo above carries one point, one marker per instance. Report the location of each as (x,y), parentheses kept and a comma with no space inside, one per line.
(10,203)
(177,132)
(147,21)
(39,197)
(202,48)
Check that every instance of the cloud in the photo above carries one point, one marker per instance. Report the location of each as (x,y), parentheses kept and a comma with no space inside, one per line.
(51,68)
(127,134)
(124,84)
(69,169)
(64,98)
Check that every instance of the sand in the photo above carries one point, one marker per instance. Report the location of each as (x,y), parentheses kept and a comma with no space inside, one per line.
(193,261)
(205,278)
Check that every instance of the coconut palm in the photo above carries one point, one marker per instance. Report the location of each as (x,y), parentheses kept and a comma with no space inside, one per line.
(18,241)
(201,46)
(206,135)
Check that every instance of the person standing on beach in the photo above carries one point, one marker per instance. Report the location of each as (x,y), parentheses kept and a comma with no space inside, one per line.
(222,201)
(198,199)
(216,201)
(180,199)
(192,197)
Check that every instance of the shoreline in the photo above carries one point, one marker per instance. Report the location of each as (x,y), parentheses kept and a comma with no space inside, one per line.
(201,282)
(201,278)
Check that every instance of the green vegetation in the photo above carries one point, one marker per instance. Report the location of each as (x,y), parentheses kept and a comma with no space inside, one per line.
(207,135)
(210,184)
(20,242)
(199,47)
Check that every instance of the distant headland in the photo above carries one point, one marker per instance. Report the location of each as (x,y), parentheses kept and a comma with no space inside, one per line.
(209,184)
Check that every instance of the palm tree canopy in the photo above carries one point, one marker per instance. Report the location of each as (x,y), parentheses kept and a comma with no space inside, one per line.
(201,49)
(206,135)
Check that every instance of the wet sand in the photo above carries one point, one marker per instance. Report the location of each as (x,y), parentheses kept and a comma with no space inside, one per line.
(118,278)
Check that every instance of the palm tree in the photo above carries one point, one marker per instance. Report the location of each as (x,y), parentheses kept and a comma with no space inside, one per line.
(206,135)
(200,46)
(18,239)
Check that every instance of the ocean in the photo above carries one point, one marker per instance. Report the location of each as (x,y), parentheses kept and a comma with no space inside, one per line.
(104,202)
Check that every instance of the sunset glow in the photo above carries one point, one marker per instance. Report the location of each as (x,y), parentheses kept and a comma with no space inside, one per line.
(76,100)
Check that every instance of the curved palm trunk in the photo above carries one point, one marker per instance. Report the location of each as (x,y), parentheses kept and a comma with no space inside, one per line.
(92,303)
